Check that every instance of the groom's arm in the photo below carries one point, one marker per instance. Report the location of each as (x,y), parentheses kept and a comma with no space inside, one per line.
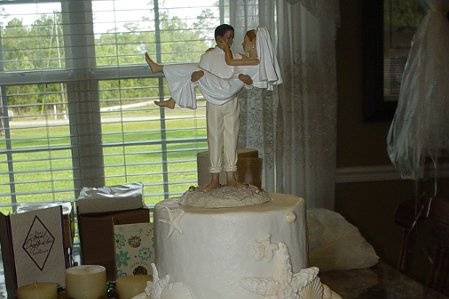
(246,79)
(196,75)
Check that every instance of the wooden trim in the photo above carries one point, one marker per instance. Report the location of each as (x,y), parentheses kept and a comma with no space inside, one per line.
(373,174)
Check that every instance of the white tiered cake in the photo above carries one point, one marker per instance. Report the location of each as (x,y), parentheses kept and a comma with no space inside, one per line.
(217,252)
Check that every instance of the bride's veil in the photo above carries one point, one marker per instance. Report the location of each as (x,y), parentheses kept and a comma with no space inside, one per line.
(268,73)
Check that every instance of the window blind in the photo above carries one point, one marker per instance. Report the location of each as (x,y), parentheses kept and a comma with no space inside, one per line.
(77,98)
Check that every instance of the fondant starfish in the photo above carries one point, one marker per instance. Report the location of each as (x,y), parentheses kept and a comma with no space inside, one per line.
(174,219)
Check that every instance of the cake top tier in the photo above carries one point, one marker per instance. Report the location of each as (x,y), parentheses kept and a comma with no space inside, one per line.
(225,197)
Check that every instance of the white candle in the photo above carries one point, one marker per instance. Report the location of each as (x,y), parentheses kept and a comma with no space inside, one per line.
(85,282)
(130,286)
(38,290)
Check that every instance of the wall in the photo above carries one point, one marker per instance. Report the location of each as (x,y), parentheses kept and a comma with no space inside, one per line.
(368,203)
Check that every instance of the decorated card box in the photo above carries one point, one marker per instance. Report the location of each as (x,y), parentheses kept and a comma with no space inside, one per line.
(32,248)
(134,249)
(96,232)
(68,224)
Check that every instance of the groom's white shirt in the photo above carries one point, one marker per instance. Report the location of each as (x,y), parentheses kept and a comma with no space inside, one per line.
(213,61)
(224,85)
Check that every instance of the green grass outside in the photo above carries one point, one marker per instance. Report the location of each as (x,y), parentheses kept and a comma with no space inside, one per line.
(50,172)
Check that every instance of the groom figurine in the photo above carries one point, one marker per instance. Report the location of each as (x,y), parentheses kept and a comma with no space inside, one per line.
(222,120)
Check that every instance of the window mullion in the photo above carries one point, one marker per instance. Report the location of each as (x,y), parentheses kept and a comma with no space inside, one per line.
(221,7)
(83,97)
(4,126)
(6,129)
(157,33)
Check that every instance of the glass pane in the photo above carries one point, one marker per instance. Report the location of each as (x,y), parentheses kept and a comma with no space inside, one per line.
(37,136)
(401,19)
(31,36)
(187,29)
(132,133)
(123,30)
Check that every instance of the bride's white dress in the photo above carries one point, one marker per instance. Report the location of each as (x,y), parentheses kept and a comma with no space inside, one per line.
(214,89)
(420,128)
(220,82)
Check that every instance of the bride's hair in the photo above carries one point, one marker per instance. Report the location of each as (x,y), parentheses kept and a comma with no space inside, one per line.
(250,49)
(251,35)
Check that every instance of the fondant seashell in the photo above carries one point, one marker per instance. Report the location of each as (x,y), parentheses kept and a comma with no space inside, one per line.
(313,290)
(263,249)
(258,251)
(329,294)
(291,217)
(308,283)
(305,277)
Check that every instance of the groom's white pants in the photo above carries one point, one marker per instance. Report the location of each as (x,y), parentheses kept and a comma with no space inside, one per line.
(222,134)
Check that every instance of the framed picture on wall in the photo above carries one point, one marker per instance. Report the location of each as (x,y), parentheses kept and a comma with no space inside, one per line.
(388,30)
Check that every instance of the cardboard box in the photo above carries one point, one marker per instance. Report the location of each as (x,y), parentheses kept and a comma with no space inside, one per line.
(249,168)
(96,232)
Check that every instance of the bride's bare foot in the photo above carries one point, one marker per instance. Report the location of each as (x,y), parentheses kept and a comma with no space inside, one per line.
(231,180)
(196,75)
(213,184)
(155,67)
(170,103)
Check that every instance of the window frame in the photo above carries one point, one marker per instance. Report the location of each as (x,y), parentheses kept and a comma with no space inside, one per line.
(92,74)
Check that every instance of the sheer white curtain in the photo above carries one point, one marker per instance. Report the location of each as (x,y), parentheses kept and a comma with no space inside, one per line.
(296,124)
(258,106)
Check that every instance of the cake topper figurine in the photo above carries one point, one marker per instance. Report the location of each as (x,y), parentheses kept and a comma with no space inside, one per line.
(220,76)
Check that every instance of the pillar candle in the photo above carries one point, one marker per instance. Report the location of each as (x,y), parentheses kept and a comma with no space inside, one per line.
(130,286)
(38,290)
(86,282)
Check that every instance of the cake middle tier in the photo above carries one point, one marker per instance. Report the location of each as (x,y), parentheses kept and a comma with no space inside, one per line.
(211,251)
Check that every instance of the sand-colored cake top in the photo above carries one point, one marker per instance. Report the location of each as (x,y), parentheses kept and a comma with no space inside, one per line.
(225,197)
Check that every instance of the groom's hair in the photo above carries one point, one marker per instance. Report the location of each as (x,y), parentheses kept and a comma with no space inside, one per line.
(222,29)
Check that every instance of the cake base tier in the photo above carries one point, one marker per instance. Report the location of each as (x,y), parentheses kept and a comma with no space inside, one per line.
(211,251)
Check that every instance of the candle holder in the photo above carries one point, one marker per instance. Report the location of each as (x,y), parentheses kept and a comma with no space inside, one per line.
(38,290)
(111,290)
(86,282)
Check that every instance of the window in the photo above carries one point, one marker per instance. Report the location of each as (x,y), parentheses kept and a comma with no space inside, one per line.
(388,28)
(77,99)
